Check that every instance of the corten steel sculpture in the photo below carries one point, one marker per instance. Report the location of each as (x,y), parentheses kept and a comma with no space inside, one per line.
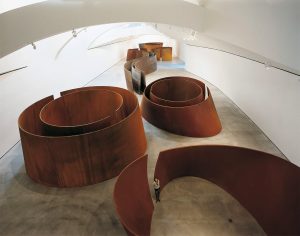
(152,47)
(136,71)
(266,185)
(166,53)
(84,137)
(132,198)
(179,105)
(134,53)
(98,109)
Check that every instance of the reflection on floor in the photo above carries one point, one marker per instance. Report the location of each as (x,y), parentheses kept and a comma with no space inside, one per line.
(32,209)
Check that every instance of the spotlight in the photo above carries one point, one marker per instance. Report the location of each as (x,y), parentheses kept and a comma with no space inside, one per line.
(33,46)
(74,33)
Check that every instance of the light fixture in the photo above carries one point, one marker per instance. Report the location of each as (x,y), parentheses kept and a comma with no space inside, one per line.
(74,33)
(33,45)
(268,65)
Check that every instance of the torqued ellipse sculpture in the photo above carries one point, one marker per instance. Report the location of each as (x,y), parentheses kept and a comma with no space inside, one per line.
(180,105)
(86,136)
(266,185)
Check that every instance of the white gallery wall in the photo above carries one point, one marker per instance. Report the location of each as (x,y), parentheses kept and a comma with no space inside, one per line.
(63,62)
(270,97)
(267,27)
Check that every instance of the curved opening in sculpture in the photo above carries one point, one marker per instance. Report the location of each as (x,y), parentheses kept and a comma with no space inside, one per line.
(176,91)
(72,156)
(266,185)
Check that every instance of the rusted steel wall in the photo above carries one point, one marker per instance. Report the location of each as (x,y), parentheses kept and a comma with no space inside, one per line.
(166,53)
(132,198)
(152,47)
(136,71)
(86,157)
(128,76)
(266,185)
(98,109)
(133,53)
(176,106)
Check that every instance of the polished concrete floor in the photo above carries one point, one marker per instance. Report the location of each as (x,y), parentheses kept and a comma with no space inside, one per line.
(189,206)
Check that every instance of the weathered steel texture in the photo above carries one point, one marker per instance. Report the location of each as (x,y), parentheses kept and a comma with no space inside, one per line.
(166,53)
(149,47)
(266,185)
(138,80)
(147,64)
(133,53)
(86,158)
(176,92)
(152,47)
(199,119)
(158,53)
(136,71)
(132,198)
(128,76)
(82,112)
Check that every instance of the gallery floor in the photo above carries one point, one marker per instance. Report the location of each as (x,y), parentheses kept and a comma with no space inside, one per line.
(189,206)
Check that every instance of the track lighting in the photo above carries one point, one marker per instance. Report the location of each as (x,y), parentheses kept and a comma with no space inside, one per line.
(33,45)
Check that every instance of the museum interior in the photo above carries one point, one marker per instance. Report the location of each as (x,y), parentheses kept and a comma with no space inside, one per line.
(135,117)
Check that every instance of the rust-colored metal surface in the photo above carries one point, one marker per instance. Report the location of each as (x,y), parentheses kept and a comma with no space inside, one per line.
(266,185)
(146,64)
(132,198)
(82,112)
(136,71)
(187,113)
(152,47)
(176,92)
(91,156)
(149,47)
(128,76)
(133,53)
(166,53)
(157,52)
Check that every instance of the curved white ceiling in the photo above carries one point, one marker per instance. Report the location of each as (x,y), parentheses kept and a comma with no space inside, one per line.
(22,26)
(8,5)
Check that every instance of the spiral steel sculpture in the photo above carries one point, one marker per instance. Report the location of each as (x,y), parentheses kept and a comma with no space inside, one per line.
(178,105)
(84,137)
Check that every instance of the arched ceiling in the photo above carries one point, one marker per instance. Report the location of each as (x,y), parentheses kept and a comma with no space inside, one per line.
(28,24)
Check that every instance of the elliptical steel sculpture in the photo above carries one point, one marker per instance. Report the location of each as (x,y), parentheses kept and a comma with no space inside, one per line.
(266,185)
(86,136)
(179,105)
